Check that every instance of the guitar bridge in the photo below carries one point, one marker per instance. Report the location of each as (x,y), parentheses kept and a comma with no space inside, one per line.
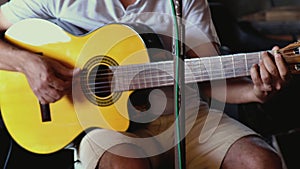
(45,112)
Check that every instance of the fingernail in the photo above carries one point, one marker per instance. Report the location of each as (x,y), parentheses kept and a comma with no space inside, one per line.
(77,70)
(277,55)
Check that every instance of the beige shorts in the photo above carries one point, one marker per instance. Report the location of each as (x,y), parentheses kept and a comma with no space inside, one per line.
(209,135)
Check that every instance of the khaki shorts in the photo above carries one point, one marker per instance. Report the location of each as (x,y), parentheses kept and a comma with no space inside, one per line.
(209,136)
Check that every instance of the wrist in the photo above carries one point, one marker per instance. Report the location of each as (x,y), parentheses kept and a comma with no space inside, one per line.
(27,60)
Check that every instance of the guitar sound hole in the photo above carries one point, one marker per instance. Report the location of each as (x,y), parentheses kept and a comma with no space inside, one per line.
(96,79)
(100,80)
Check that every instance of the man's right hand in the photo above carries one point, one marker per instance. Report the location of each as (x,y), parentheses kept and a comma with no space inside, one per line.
(49,79)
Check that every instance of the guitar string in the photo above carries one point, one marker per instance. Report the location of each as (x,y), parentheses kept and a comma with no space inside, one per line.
(170,81)
(226,66)
(148,80)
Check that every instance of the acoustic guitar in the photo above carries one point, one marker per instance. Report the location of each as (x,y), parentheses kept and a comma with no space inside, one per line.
(115,61)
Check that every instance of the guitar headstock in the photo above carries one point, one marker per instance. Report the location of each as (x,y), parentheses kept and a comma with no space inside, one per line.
(291,54)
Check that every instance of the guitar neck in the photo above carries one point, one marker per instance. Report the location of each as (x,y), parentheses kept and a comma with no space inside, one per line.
(158,74)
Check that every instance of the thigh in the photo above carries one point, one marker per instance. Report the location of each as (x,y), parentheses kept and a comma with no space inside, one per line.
(251,152)
(209,136)
(97,141)
(210,139)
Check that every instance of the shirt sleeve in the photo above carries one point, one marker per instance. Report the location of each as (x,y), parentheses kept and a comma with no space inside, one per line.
(16,10)
(199,25)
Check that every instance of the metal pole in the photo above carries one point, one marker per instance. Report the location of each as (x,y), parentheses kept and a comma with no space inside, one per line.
(179,103)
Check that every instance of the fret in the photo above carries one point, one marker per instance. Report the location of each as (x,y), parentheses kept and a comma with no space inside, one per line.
(150,76)
(187,71)
(135,80)
(194,65)
(252,58)
(201,73)
(216,68)
(158,74)
(162,77)
(197,72)
(246,65)
(115,80)
(167,72)
(147,76)
(118,79)
(190,71)
(131,80)
(228,66)
(170,73)
(232,60)
(210,68)
(221,68)
(160,70)
(127,75)
(155,75)
(142,75)
(204,72)
(239,64)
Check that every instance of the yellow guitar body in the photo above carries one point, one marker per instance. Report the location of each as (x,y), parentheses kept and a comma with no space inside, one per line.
(75,113)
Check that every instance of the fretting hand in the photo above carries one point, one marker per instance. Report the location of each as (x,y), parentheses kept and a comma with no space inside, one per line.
(269,76)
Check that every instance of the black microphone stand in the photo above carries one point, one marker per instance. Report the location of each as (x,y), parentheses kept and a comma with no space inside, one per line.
(179,85)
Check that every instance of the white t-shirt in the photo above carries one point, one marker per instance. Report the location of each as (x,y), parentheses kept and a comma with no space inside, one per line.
(92,14)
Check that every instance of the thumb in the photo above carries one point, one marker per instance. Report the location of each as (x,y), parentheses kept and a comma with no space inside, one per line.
(64,71)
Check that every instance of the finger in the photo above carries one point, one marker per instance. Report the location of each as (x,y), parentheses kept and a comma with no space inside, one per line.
(282,68)
(63,71)
(45,99)
(275,48)
(42,100)
(76,71)
(255,76)
(52,95)
(59,84)
(265,77)
(270,65)
(271,77)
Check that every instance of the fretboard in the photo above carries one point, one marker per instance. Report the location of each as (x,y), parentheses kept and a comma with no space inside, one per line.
(157,74)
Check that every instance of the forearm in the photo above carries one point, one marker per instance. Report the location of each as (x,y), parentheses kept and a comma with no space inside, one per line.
(13,58)
(49,79)
(241,90)
(235,91)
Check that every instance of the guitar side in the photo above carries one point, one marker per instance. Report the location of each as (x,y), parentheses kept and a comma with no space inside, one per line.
(74,113)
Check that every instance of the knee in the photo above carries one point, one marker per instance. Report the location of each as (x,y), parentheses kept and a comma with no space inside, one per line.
(110,159)
(263,158)
(252,153)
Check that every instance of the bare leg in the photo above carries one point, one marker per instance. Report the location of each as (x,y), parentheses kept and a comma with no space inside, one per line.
(251,153)
(112,161)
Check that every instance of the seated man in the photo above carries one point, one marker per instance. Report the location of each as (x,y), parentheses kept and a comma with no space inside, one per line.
(213,140)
